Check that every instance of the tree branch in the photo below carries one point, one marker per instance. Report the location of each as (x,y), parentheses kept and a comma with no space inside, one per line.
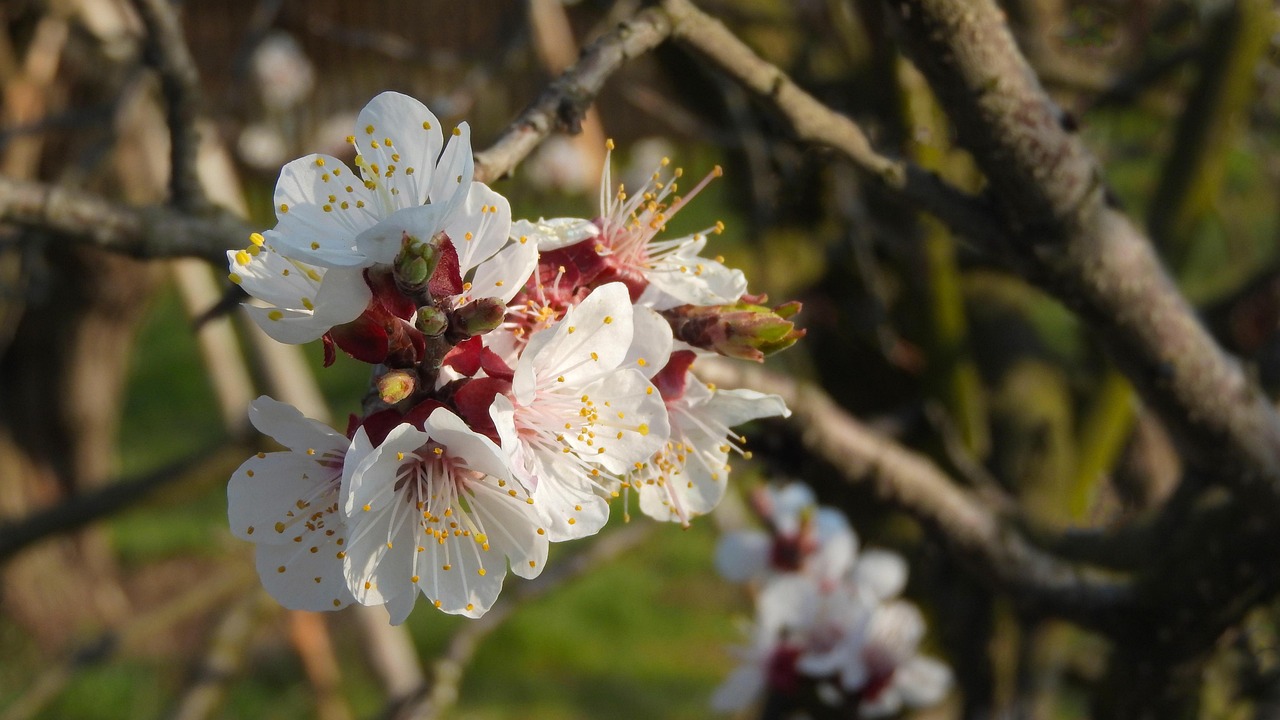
(146,232)
(1050,192)
(562,105)
(813,122)
(80,510)
(166,50)
(912,483)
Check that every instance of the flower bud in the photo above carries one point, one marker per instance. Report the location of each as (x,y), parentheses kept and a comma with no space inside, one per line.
(396,385)
(415,264)
(478,316)
(431,321)
(741,330)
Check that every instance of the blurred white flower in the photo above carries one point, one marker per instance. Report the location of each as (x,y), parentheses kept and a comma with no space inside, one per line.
(282,71)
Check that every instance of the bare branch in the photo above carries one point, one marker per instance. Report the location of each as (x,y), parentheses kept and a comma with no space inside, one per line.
(915,485)
(148,232)
(562,105)
(815,123)
(85,508)
(166,50)
(1049,189)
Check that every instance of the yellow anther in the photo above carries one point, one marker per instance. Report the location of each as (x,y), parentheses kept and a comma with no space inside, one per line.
(368,129)
(275,315)
(319,162)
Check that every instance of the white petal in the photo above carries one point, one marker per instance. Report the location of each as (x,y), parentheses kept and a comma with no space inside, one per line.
(651,341)
(504,274)
(287,426)
(479,452)
(380,556)
(742,688)
(555,233)
(269,496)
(512,526)
(788,503)
(734,407)
(478,226)
(787,602)
(743,555)
(601,324)
(454,172)
(371,485)
(922,681)
(381,242)
(881,572)
(311,580)
(691,280)
(629,422)
(416,140)
(566,503)
(306,230)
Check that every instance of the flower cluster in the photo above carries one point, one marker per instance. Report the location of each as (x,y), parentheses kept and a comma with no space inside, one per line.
(526,372)
(830,631)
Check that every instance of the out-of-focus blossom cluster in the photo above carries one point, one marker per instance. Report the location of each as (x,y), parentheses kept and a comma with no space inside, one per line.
(831,635)
(526,373)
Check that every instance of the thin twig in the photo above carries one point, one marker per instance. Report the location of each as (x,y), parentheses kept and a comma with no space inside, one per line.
(562,105)
(166,50)
(435,699)
(140,631)
(813,122)
(141,232)
(227,650)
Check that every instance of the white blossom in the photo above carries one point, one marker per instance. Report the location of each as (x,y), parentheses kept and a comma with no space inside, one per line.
(303,301)
(436,510)
(582,411)
(287,503)
(408,184)
(689,475)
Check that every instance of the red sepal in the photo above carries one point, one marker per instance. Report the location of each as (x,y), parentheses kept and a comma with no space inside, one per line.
(673,379)
(446,281)
(473,400)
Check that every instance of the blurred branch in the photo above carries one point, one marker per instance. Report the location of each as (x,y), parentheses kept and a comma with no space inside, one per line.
(914,484)
(435,699)
(227,649)
(564,103)
(310,637)
(1237,39)
(166,50)
(1050,192)
(813,122)
(88,507)
(134,636)
(146,232)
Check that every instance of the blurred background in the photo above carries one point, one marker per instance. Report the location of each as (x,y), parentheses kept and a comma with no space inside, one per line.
(142,605)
